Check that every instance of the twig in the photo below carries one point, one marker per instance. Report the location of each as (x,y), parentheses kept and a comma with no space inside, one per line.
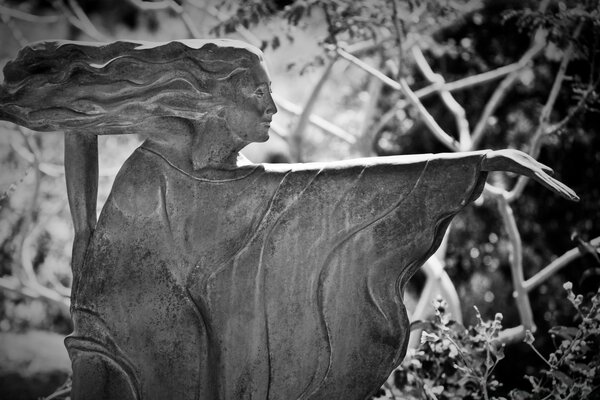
(151,5)
(36,292)
(555,266)
(83,24)
(173,6)
(53,170)
(23,16)
(366,134)
(402,86)
(468,81)
(573,111)
(516,263)
(437,282)
(59,393)
(214,12)
(399,36)
(543,124)
(25,270)
(504,86)
(320,122)
(298,132)
(512,335)
(455,108)
(14,30)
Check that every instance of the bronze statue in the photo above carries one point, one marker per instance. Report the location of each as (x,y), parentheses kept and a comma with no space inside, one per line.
(208,276)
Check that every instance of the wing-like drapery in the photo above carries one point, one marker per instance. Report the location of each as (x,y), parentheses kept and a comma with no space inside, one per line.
(283,282)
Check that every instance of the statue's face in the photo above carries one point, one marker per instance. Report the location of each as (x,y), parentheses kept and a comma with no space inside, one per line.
(251,117)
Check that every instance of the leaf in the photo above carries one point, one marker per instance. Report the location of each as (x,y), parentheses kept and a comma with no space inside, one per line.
(565,332)
(429,337)
(564,378)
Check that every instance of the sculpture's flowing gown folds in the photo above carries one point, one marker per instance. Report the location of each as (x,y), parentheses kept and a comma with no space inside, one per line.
(287,280)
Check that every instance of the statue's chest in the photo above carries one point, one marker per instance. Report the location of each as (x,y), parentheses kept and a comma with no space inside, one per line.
(214,220)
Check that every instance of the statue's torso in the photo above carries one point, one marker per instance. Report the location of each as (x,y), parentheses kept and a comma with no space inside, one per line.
(281,284)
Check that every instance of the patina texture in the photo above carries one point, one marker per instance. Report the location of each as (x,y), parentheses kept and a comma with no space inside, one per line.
(207,276)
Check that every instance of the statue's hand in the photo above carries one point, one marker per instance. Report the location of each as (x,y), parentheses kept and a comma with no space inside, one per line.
(520,163)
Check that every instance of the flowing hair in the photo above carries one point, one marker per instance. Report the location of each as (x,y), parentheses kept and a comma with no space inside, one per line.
(118,87)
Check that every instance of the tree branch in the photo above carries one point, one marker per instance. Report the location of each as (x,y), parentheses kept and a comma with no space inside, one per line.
(555,266)
(402,86)
(321,123)
(23,16)
(77,17)
(504,86)
(543,124)
(469,81)
(14,30)
(298,132)
(455,108)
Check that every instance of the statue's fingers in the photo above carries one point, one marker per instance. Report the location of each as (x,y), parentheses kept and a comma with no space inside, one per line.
(557,186)
(545,168)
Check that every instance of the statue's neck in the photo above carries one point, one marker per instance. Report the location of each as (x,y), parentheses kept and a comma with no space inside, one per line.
(210,154)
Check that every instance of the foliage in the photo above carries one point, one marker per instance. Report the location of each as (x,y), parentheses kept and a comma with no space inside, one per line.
(454,362)
(460,39)
(573,369)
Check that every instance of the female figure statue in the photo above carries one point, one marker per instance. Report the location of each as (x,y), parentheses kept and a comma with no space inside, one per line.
(207,276)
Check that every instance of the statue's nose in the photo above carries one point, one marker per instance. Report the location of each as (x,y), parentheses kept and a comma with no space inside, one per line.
(271,107)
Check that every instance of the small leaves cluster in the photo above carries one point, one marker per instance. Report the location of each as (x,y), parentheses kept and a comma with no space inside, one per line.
(559,20)
(452,362)
(573,369)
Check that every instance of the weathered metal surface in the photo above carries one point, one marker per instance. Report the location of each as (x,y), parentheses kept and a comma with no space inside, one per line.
(207,276)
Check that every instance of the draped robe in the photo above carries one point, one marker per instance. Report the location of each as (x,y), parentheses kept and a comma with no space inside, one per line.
(284,282)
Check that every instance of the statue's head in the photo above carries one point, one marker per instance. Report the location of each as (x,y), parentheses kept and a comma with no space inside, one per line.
(125,87)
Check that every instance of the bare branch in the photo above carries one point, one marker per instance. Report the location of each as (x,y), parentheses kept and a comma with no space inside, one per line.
(402,86)
(543,124)
(24,270)
(151,5)
(323,124)
(455,108)
(469,81)
(35,291)
(505,85)
(555,266)
(399,36)
(214,12)
(297,134)
(14,30)
(366,134)
(512,335)
(539,42)
(575,110)
(77,17)
(516,263)
(23,16)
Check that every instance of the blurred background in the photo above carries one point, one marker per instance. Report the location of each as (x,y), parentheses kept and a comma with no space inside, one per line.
(351,79)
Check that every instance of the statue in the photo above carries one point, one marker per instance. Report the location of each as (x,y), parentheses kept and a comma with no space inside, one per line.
(208,276)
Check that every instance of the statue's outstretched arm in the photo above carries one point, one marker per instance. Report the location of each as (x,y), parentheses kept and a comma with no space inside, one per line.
(520,163)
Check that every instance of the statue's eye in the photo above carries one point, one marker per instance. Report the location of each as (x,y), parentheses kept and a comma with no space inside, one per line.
(259,93)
